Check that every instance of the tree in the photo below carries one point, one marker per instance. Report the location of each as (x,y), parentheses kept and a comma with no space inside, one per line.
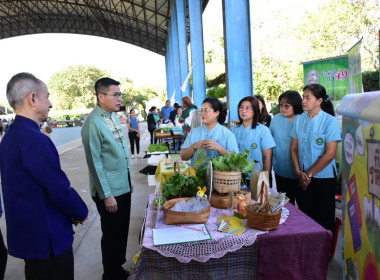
(143,96)
(214,51)
(338,24)
(137,96)
(371,80)
(73,88)
(294,31)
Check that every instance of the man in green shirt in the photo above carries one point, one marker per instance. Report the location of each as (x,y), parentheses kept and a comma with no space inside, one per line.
(107,156)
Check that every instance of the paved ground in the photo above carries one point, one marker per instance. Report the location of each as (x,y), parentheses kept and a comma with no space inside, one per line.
(62,136)
(86,245)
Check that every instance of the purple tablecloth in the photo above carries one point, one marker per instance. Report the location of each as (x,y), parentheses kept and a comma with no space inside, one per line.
(236,265)
(299,249)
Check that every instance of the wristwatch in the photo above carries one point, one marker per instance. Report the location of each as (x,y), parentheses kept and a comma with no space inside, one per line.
(310,175)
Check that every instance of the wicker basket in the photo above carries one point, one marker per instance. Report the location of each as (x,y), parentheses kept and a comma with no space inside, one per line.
(220,200)
(163,134)
(263,220)
(176,217)
(224,182)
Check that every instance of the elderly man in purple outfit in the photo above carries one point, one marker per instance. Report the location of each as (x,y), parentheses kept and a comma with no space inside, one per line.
(40,204)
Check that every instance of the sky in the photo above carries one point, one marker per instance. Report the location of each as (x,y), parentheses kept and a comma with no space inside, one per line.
(46,54)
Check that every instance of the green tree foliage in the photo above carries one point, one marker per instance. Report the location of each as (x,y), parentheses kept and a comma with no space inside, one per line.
(218,92)
(127,87)
(276,61)
(137,97)
(214,51)
(337,24)
(73,88)
(284,36)
(370,80)
(143,95)
(221,79)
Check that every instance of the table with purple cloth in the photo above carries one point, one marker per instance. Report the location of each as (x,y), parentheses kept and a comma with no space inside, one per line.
(299,249)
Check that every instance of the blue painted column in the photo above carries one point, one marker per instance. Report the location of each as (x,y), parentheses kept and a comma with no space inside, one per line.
(182,47)
(239,78)
(197,52)
(174,40)
(169,60)
(169,87)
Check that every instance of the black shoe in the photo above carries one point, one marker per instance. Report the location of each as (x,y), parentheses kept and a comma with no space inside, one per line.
(124,274)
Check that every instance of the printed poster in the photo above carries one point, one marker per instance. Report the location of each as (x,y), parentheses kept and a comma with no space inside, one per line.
(332,73)
(361,199)
(355,68)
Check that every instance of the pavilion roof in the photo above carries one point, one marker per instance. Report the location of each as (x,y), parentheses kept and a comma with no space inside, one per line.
(143,23)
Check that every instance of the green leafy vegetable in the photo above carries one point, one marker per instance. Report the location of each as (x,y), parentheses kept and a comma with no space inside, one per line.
(234,162)
(157,148)
(200,160)
(158,202)
(180,185)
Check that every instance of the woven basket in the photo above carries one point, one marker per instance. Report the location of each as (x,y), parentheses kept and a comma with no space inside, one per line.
(263,220)
(220,200)
(176,217)
(224,182)
(163,134)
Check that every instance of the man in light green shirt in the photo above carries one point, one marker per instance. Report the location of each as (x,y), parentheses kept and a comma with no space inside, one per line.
(107,156)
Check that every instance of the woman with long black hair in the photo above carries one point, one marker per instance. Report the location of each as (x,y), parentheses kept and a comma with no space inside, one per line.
(315,136)
(211,135)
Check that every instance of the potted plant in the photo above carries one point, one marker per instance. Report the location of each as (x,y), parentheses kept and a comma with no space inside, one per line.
(231,170)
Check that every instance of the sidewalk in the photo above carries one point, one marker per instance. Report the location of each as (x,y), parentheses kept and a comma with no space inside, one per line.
(87,254)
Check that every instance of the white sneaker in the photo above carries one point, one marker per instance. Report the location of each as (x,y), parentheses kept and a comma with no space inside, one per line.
(138,156)
(133,156)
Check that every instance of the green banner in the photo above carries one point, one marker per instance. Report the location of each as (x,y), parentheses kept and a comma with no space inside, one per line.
(355,73)
(332,73)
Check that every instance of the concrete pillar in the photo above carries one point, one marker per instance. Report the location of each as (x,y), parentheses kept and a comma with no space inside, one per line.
(197,52)
(168,68)
(237,38)
(182,46)
(173,33)
(170,72)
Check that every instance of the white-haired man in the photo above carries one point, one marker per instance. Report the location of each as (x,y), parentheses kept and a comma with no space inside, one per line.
(40,204)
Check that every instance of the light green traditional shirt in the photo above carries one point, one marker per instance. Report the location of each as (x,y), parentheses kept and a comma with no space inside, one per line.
(107,154)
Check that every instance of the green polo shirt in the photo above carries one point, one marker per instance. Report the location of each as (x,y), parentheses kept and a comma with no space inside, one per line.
(107,154)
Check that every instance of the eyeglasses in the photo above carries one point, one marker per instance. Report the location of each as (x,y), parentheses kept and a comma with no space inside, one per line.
(242,108)
(116,95)
(205,111)
(286,106)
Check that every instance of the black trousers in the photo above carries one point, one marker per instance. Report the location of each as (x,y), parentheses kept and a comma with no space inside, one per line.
(152,137)
(59,267)
(318,201)
(287,185)
(115,227)
(3,257)
(132,139)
